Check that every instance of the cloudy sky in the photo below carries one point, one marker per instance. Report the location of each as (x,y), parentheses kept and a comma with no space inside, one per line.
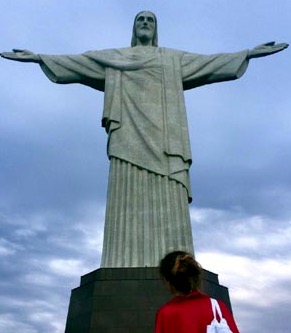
(53,165)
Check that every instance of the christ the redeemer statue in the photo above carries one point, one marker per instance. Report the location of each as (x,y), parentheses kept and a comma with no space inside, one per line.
(147,213)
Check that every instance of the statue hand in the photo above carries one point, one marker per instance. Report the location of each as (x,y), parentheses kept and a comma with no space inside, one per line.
(21,55)
(266,49)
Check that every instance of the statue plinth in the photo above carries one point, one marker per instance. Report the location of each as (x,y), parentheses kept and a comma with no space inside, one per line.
(125,300)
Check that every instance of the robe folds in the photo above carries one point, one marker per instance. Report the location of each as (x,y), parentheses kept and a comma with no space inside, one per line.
(145,118)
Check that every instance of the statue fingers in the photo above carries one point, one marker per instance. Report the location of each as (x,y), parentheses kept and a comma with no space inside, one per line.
(264,45)
(283,45)
(8,55)
(270,43)
(18,50)
(279,47)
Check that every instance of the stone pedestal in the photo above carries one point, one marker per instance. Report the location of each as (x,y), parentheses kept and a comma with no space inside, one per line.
(125,300)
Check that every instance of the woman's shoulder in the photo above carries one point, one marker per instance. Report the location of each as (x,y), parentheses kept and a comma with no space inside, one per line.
(194,296)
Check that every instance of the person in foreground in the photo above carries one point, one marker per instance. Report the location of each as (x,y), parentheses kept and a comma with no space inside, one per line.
(190,310)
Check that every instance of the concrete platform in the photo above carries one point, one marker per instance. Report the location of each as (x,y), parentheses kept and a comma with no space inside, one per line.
(125,300)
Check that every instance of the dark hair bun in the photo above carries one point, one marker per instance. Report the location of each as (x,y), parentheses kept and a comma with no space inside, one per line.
(181,270)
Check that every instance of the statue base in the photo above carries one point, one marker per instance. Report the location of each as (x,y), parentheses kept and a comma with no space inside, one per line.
(125,300)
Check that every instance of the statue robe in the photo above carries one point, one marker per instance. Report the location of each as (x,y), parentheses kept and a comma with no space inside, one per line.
(147,212)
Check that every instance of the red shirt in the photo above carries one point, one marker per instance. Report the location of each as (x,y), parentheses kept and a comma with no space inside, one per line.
(190,314)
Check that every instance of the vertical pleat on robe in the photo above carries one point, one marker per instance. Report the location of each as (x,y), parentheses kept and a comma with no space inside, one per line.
(147,216)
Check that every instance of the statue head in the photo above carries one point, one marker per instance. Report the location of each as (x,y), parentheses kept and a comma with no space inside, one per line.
(145,29)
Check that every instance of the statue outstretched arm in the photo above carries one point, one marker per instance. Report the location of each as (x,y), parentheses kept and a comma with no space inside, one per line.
(21,55)
(266,49)
(84,68)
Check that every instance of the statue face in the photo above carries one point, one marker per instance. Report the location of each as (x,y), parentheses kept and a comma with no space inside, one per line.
(145,24)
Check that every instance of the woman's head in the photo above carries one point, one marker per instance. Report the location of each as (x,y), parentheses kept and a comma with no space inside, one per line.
(181,271)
